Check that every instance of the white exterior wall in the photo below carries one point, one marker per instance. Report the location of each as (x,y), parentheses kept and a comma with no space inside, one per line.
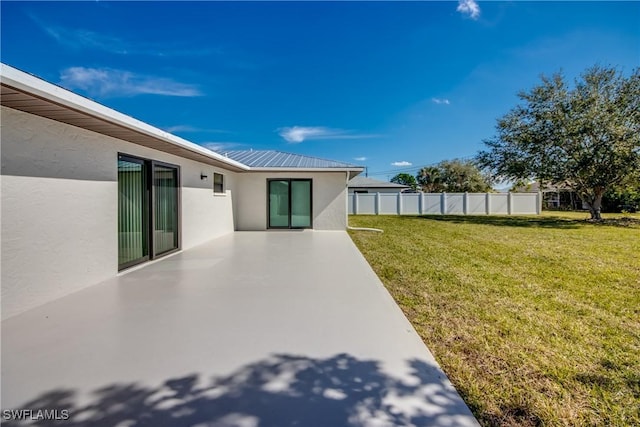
(59,207)
(329,199)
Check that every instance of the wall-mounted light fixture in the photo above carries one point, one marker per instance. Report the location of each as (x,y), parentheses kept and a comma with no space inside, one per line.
(203,177)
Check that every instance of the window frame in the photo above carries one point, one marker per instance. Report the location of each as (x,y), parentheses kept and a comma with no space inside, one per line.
(146,205)
(152,212)
(289,226)
(223,191)
(149,210)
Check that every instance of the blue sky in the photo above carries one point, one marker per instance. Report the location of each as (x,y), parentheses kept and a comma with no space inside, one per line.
(388,85)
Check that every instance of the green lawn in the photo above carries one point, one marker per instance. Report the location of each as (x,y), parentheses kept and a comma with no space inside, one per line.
(536,320)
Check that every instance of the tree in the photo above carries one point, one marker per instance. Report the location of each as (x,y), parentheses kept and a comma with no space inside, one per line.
(405,179)
(459,176)
(587,138)
(429,179)
(454,176)
(624,197)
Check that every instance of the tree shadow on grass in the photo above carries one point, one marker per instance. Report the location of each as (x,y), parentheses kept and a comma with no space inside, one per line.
(533,222)
(280,391)
(509,221)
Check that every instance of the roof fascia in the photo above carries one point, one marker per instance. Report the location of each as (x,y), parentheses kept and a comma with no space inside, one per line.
(35,86)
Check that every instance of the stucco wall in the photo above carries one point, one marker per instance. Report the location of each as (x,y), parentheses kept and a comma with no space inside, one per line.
(59,207)
(329,199)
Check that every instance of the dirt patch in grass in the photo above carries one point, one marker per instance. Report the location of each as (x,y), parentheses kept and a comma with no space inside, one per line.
(536,320)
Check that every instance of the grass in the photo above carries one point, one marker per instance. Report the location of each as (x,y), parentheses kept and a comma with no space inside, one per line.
(536,320)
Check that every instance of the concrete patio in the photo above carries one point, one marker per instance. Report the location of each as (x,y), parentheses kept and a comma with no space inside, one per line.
(268,329)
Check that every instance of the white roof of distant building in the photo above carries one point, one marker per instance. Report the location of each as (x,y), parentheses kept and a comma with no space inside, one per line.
(366,182)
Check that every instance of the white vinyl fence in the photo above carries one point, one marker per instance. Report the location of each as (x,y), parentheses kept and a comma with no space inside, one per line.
(445,203)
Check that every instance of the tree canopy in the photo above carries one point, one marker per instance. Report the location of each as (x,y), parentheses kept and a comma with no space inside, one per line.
(405,179)
(586,137)
(453,176)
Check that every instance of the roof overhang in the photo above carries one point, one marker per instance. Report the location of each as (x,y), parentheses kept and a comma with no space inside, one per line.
(352,171)
(24,92)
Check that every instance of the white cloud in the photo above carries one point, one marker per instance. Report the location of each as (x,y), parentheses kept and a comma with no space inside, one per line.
(298,134)
(359,159)
(440,101)
(106,82)
(188,128)
(402,163)
(220,146)
(181,128)
(469,7)
(78,38)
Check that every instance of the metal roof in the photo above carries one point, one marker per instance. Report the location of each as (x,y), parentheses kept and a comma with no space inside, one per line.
(31,94)
(279,159)
(365,182)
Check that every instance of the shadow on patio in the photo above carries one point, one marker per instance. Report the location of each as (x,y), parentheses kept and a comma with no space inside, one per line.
(279,391)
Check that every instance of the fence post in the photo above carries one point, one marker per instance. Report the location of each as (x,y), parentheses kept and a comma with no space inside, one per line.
(377,204)
(487,204)
(443,203)
(420,203)
(399,204)
(509,203)
(465,203)
(539,203)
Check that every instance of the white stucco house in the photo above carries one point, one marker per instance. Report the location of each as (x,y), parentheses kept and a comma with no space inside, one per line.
(88,192)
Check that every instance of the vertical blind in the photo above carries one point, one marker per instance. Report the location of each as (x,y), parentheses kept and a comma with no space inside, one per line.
(146,191)
(165,187)
(132,222)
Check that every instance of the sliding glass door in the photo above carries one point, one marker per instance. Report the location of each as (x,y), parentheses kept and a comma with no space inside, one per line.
(133,228)
(165,220)
(279,203)
(148,207)
(289,203)
(301,203)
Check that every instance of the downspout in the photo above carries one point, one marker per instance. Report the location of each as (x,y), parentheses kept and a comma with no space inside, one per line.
(347,212)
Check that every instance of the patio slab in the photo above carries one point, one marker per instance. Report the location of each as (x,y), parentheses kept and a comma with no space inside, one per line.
(253,329)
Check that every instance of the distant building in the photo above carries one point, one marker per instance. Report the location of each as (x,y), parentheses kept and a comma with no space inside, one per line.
(554,196)
(362,184)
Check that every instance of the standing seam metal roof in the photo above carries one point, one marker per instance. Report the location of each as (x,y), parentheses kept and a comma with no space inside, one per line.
(279,159)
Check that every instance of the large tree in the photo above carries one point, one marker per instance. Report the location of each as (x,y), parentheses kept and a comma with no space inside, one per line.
(405,179)
(586,137)
(453,176)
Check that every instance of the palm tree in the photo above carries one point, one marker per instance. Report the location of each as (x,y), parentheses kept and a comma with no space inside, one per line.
(430,179)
